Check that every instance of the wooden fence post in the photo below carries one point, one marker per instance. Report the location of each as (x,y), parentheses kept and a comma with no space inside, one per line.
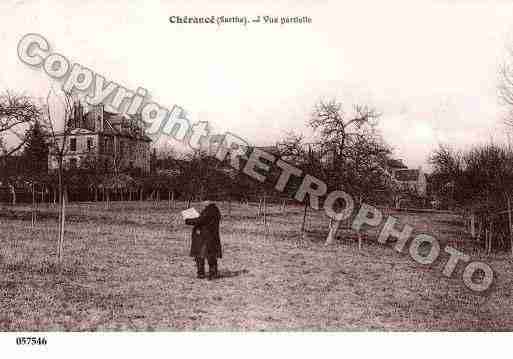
(303,224)
(265,211)
(479,229)
(491,237)
(33,205)
(334,226)
(62,224)
(510,223)
(473,225)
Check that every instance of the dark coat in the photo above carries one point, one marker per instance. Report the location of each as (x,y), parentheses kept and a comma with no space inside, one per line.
(205,233)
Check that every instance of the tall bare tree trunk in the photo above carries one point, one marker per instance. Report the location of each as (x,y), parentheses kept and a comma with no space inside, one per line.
(13,193)
(510,224)
(479,229)
(473,224)
(486,236)
(62,225)
(360,202)
(334,226)
(36,206)
(62,214)
(303,223)
(491,237)
(265,211)
(33,205)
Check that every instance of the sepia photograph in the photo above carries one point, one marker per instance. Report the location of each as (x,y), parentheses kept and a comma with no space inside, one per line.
(181,172)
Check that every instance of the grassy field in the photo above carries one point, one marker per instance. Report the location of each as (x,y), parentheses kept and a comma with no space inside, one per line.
(127,268)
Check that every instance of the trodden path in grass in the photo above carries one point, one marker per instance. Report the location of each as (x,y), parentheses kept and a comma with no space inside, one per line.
(126,274)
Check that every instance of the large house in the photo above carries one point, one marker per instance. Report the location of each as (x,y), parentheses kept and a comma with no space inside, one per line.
(111,141)
(412,180)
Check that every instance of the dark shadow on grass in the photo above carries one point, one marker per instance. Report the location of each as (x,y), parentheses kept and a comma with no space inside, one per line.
(230,274)
(226,273)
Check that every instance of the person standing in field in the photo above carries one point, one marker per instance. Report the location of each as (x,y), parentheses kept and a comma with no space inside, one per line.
(206,242)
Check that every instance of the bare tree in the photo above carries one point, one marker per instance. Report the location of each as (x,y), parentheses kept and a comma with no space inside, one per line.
(448,167)
(336,128)
(56,123)
(351,148)
(305,156)
(505,87)
(480,180)
(16,113)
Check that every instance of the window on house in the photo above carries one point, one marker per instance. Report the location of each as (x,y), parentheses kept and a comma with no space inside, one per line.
(73,144)
(73,162)
(89,144)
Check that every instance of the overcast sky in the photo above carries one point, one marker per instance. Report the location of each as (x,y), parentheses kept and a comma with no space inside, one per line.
(429,66)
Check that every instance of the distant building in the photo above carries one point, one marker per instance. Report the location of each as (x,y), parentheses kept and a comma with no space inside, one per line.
(411,180)
(393,165)
(209,145)
(108,139)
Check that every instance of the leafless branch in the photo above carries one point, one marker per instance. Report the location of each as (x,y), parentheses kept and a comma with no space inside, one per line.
(16,111)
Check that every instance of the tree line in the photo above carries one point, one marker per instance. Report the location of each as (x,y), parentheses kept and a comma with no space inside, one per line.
(348,154)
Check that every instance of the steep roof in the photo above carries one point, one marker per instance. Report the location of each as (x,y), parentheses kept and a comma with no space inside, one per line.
(115,119)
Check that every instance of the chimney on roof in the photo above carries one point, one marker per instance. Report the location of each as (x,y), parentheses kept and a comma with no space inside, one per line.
(78,114)
(98,117)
